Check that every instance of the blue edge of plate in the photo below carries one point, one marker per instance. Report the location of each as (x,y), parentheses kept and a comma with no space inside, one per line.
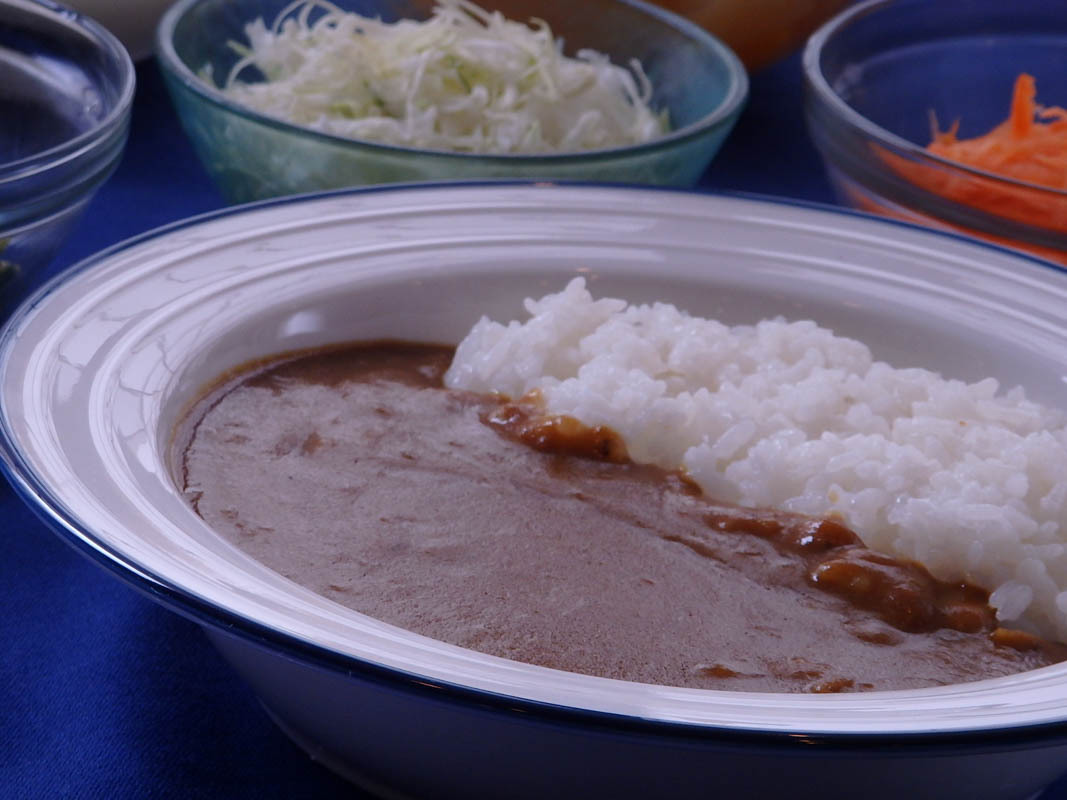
(52,512)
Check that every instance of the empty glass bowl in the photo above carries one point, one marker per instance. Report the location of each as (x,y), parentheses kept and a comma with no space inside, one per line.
(66,86)
(695,77)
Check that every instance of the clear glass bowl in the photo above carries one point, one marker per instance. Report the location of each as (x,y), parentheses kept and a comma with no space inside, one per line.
(252,156)
(877,72)
(66,87)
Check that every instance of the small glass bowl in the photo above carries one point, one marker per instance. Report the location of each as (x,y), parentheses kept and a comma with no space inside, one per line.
(878,75)
(66,87)
(252,156)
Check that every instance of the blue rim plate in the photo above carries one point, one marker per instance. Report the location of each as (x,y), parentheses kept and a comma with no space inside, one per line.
(97,367)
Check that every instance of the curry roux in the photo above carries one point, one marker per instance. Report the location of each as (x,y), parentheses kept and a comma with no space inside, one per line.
(489,525)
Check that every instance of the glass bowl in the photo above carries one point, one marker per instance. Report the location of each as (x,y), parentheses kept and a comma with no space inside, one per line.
(66,86)
(251,156)
(879,72)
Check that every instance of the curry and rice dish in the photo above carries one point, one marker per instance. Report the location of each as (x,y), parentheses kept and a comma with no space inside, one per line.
(386,477)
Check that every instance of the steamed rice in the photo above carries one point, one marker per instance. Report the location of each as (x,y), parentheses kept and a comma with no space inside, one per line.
(966,479)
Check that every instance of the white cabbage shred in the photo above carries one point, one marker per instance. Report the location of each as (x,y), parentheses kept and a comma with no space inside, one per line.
(464,80)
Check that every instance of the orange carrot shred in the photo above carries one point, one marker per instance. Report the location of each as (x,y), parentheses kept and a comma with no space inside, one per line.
(1029,146)
(1023,105)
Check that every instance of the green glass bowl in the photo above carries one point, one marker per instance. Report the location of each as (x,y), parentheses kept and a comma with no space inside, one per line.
(251,156)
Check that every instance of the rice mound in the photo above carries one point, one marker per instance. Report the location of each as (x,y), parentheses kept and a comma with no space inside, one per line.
(967,480)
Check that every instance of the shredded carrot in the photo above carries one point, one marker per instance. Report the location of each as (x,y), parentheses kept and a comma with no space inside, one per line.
(1030,146)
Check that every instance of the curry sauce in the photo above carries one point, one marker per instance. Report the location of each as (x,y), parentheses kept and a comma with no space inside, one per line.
(484,523)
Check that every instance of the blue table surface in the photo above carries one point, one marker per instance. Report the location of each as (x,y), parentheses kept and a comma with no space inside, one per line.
(104,693)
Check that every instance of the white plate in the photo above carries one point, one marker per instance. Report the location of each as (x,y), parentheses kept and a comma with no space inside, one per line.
(95,370)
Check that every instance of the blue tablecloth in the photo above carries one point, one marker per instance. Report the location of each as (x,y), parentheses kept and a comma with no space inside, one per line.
(105,694)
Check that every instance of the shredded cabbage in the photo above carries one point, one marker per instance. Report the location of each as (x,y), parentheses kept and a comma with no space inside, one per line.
(464,80)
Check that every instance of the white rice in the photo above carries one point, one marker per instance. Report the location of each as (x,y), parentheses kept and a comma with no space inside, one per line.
(967,480)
